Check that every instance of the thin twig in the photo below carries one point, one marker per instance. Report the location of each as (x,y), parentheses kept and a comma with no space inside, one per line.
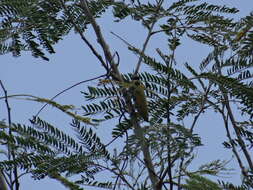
(225,119)
(124,165)
(150,30)
(122,39)
(116,74)
(76,84)
(232,119)
(160,183)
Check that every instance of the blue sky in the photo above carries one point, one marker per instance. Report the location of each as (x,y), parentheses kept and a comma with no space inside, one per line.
(73,62)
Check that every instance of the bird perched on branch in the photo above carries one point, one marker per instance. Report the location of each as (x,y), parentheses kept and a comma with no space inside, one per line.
(242,33)
(140,98)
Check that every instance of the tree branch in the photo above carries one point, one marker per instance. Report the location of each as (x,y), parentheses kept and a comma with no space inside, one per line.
(11,154)
(116,75)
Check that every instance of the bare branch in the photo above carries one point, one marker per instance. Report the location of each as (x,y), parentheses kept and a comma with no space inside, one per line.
(11,154)
(115,74)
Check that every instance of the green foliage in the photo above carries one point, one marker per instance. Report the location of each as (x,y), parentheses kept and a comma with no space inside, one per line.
(108,106)
(230,186)
(65,181)
(196,182)
(234,88)
(94,92)
(44,150)
(36,26)
(89,138)
(121,10)
(96,184)
(66,109)
(166,71)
